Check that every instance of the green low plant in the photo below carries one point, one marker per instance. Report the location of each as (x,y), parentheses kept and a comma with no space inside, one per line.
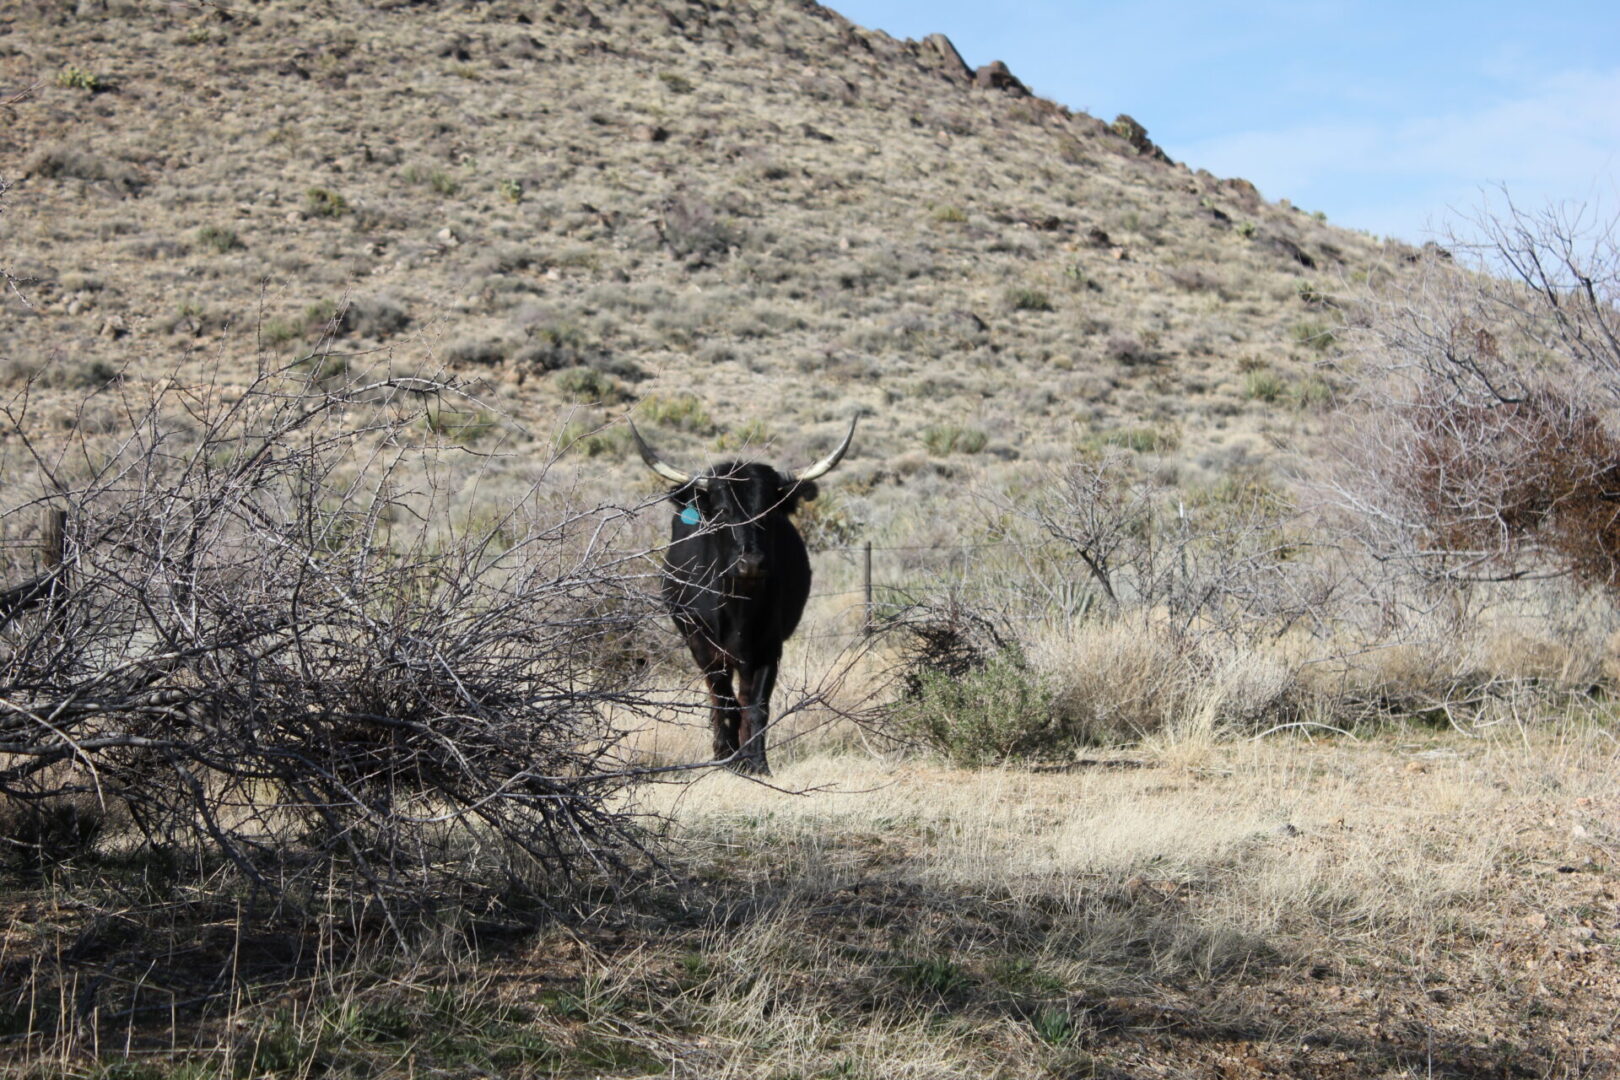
(589,386)
(937,975)
(594,440)
(1141,440)
(1262,385)
(1022,298)
(460,425)
(73,77)
(683,412)
(1314,333)
(997,712)
(280,331)
(219,238)
(324,202)
(1313,393)
(1055,1027)
(750,436)
(942,439)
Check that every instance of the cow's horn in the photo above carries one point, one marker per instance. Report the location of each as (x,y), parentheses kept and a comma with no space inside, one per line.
(824,466)
(654,462)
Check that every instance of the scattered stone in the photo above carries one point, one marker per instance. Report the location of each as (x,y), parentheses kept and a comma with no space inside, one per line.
(1243,192)
(649,133)
(1126,127)
(996,76)
(970,320)
(447,235)
(457,48)
(1286,247)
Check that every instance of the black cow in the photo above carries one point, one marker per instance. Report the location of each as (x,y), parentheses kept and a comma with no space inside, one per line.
(736,578)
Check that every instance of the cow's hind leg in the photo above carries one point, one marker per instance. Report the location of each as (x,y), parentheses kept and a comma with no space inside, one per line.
(754,686)
(724,714)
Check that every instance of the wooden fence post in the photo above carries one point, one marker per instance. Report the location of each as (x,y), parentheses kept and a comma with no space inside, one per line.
(866,582)
(53,536)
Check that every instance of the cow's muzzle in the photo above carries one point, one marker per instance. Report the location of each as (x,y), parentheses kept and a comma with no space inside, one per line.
(749,565)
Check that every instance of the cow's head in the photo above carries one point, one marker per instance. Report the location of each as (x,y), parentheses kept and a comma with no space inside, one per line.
(734,500)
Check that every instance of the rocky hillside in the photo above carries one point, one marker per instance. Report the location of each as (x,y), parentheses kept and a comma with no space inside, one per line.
(744,219)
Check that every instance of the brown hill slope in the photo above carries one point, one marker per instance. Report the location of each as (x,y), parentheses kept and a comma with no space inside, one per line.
(760,205)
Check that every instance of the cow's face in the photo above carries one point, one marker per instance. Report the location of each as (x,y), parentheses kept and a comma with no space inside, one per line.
(733,504)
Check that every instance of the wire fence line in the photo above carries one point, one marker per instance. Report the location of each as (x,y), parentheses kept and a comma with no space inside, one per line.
(1068,597)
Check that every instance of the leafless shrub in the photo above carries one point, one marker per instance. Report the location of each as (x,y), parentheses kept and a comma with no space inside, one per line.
(691,227)
(1130,350)
(69,160)
(1483,445)
(276,647)
(1215,564)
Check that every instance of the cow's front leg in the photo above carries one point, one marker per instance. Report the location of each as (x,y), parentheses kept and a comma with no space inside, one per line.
(724,715)
(754,686)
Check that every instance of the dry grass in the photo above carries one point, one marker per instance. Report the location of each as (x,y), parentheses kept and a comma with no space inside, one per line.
(1281,907)
(1337,908)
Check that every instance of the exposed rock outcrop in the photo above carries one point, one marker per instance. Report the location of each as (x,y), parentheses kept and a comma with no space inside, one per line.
(938,52)
(996,76)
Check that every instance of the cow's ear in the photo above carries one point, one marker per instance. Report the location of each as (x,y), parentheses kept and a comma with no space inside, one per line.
(685,495)
(803,491)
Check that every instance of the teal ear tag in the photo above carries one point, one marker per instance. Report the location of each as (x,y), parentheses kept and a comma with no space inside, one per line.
(689,515)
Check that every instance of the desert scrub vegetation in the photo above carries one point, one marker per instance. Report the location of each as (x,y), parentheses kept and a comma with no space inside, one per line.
(1025,298)
(1487,446)
(219,239)
(993,712)
(944,439)
(276,657)
(1314,333)
(588,386)
(1264,385)
(74,77)
(324,202)
(681,412)
(440,181)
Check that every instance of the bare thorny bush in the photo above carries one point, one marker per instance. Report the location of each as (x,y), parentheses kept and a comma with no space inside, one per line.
(1477,479)
(280,647)
(1483,446)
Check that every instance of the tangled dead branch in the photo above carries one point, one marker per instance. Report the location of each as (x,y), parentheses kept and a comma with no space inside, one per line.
(279,647)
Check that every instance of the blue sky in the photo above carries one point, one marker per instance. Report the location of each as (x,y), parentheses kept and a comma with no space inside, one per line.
(1389,117)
